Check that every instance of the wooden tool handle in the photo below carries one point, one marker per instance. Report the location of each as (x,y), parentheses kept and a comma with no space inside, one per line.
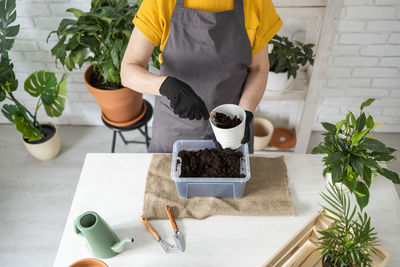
(150,228)
(171,217)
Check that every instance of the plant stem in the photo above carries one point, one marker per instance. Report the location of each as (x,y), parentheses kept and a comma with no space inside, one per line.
(19,104)
(39,103)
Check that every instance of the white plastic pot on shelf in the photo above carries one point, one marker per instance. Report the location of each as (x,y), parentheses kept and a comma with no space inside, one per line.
(278,83)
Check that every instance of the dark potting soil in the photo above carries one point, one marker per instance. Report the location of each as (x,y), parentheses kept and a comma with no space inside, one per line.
(326,262)
(96,80)
(210,163)
(47,132)
(225,122)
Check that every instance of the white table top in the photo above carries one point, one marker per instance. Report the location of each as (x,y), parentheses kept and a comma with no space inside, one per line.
(113,186)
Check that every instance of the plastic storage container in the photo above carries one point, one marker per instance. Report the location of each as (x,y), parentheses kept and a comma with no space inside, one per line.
(208,187)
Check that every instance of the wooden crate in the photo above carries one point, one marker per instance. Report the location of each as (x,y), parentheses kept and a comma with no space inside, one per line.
(300,250)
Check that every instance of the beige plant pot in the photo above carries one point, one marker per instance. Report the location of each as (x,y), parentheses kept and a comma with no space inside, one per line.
(263,130)
(47,150)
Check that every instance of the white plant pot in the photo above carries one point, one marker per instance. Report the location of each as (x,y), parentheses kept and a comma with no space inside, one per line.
(232,137)
(328,181)
(278,83)
(47,150)
(261,127)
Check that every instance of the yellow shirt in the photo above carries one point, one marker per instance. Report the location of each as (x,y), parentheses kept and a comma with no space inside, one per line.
(261,20)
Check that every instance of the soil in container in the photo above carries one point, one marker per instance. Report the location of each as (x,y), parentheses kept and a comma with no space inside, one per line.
(97,81)
(326,262)
(210,163)
(225,122)
(47,132)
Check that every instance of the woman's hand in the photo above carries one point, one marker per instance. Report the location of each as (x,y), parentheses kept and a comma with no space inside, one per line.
(183,100)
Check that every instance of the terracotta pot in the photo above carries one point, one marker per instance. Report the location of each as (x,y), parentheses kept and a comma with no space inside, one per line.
(45,150)
(89,263)
(118,105)
(263,130)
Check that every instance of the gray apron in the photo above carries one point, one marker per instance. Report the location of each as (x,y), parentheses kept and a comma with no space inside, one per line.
(210,52)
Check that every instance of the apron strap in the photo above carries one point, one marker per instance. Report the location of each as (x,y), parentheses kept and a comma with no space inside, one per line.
(238,4)
(179,3)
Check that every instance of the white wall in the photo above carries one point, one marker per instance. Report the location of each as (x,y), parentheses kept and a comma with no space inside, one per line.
(365,62)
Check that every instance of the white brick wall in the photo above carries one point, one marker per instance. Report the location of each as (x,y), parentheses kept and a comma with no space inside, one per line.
(365,62)
(368,45)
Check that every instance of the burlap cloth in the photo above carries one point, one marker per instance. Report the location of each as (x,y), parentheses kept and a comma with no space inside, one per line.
(266,193)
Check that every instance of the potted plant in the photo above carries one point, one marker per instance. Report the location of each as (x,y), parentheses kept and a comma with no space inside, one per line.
(350,240)
(40,139)
(353,155)
(104,31)
(285,58)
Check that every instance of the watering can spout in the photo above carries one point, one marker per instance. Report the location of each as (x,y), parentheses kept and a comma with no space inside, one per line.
(120,246)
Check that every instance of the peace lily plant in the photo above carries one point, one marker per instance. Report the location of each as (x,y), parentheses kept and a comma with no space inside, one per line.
(41,84)
(353,155)
(285,59)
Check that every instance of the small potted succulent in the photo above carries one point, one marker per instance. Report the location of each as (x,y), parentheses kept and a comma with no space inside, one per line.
(100,37)
(350,240)
(40,139)
(285,58)
(353,155)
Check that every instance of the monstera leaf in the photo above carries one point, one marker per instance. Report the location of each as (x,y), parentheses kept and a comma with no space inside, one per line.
(8,15)
(44,85)
(8,83)
(56,108)
(16,114)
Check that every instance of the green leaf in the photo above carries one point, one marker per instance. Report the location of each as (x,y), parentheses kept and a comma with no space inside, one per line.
(366,103)
(367,175)
(336,173)
(357,165)
(43,84)
(334,157)
(353,119)
(361,122)
(12,31)
(357,137)
(370,122)
(77,12)
(26,128)
(55,108)
(362,195)
(382,156)
(9,110)
(320,149)
(374,145)
(339,125)
(394,177)
(329,126)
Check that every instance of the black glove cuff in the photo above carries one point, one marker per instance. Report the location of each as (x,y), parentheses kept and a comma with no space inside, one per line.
(249,116)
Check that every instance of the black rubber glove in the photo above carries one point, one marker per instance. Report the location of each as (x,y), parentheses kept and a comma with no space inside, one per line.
(183,100)
(249,118)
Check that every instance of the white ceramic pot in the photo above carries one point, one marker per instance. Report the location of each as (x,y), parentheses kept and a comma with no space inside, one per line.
(47,150)
(278,83)
(263,130)
(232,137)
(328,181)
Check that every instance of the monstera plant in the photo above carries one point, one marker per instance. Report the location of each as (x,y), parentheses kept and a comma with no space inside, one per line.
(353,155)
(41,84)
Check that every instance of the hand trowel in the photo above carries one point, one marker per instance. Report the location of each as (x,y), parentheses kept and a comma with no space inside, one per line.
(178,236)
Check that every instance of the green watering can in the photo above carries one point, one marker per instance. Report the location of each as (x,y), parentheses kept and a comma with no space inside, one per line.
(102,242)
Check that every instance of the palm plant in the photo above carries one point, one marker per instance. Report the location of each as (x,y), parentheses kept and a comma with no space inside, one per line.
(351,239)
